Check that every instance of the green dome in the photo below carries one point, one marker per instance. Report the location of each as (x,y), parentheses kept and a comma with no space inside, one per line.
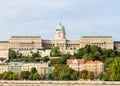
(60,27)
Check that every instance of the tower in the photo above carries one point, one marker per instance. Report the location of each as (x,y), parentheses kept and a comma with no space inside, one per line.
(60,32)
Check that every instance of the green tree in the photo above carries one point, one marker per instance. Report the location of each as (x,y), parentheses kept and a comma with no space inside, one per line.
(5,75)
(55,52)
(87,49)
(36,54)
(106,76)
(74,75)
(95,48)
(80,53)
(62,72)
(10,77)
(36,76)
(31,76)
(33,70)
(97,55)
(12,54)
(84,74)
(100,76)
(90,75)
(113,76)
(115,69)
(63,59)
(1,75)
(45,59)
(15,76)
(25,75)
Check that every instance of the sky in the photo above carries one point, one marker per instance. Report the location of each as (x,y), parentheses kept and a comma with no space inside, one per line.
(41,17)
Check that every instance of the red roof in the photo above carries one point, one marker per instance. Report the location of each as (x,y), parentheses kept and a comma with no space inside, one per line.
(81,61)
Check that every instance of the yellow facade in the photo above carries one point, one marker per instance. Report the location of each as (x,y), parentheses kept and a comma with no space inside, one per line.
(42,68)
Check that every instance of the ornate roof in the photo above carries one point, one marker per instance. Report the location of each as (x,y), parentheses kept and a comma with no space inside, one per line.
(60,27)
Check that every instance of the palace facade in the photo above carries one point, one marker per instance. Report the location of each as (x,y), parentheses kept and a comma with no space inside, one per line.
(27,44)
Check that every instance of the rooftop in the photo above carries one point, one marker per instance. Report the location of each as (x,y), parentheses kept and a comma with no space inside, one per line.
(96,36)
(25,36)
(15,63)
(60,27)
(93,62)
(4,41)
(81,61)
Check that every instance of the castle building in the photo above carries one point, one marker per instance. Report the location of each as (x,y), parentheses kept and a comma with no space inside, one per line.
(27,44)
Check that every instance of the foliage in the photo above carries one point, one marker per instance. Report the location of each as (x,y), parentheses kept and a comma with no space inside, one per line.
(65,74)
(33,70)
(36,76)
(55,52)
(24,74)
(36,54)
(84,74)
(27,59)
(115,69)
(90,75)
(45,59)
(7,75)
(100,76)
(93,52)
(12,54)
(74,76)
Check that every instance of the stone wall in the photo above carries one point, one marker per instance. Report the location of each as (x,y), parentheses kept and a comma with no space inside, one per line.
(58,83)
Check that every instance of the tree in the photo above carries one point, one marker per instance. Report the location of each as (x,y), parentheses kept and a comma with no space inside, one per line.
(100,76)
(95,48)
(25,75)
(55,52)
(36,54)
(10,77)
(115,69)
(45,59)
(90,75)
(97,55)
(36,76)
(62,72)
(80,53)
(106,76)
(63,59)
(113,76)
(7,75)
(33,70)
(74,75)
(1,75)
(15,76)
(84,74)
(87,49)
(31,76)
(12,54)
